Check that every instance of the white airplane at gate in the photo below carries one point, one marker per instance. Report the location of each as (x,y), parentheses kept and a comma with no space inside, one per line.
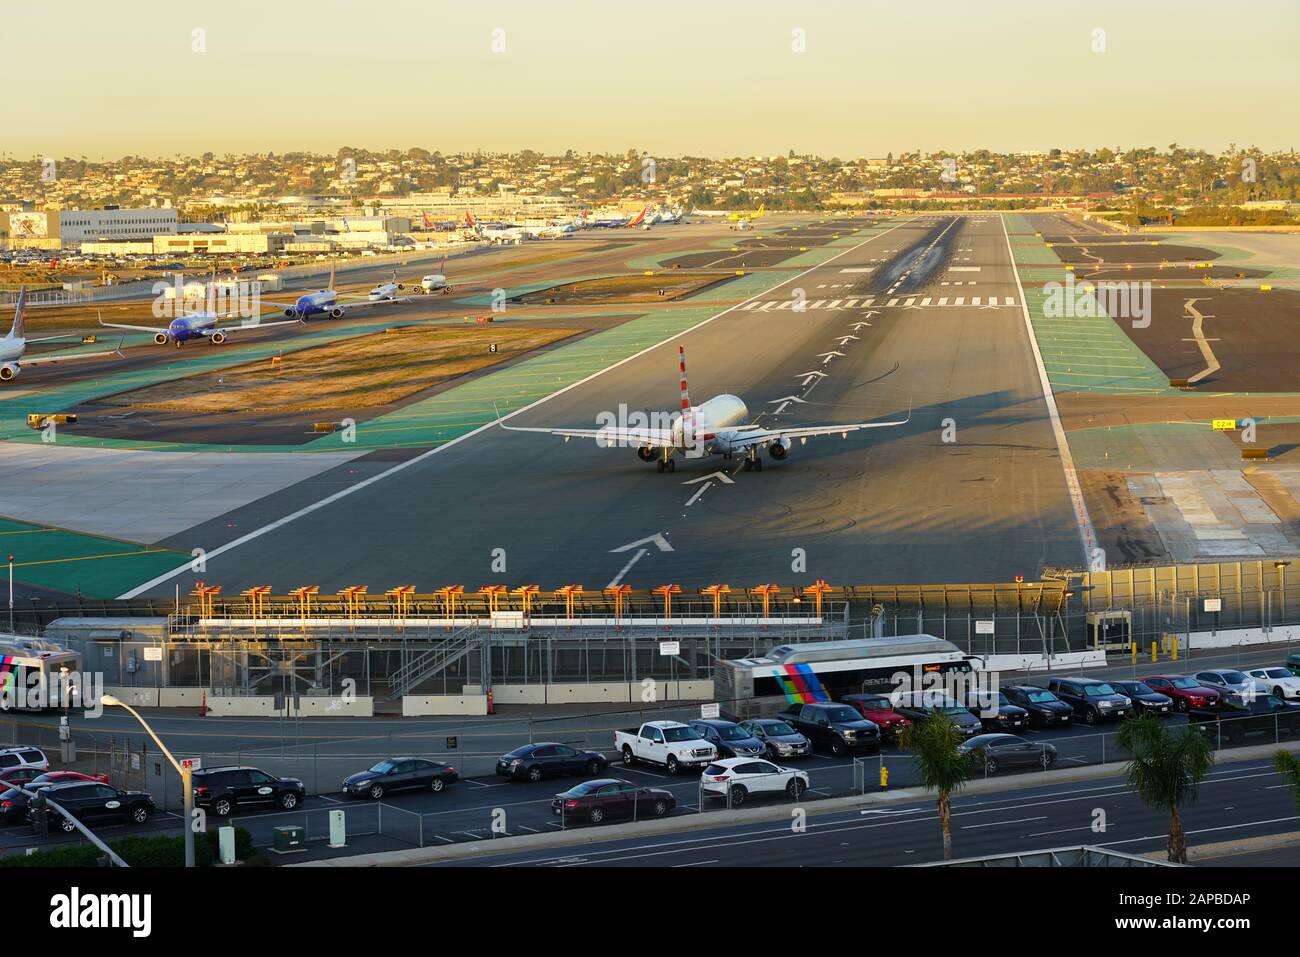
(721,426)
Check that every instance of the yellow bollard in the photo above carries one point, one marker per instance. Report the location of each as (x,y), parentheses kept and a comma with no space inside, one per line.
(884,778)
(1154,656)
(1133,647)
(1173,647)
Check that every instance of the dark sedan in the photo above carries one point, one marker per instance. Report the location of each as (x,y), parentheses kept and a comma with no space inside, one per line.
(532,762)
(1009,751)
(1146,700)
(1044,707)
(395,774)
(610,798)
(996,712)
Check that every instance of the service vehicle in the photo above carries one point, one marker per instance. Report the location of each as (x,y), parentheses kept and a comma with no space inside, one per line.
(223,789)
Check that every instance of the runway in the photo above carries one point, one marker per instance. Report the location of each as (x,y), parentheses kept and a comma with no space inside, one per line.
(971,489)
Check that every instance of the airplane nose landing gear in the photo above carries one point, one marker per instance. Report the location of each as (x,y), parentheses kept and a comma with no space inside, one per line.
(667,463)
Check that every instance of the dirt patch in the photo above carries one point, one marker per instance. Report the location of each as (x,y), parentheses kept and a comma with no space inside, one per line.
(352,373)
(618,290)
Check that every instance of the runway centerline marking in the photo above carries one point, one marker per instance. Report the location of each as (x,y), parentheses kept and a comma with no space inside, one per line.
(422,457)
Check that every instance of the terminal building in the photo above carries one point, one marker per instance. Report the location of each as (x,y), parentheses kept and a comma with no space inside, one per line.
(57,229)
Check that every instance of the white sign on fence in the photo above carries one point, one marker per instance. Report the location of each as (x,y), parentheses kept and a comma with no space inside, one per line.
(983,627)
(153,654)
(709,711)
(1214,604)
(670,647)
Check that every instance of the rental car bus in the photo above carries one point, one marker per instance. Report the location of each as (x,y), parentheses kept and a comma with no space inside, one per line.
(31,673)
(826,670)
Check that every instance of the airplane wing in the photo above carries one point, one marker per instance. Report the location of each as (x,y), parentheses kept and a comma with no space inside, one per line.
(244,326)
(749,437)
(72,357)
(607,437)
(154,330)
(346,304)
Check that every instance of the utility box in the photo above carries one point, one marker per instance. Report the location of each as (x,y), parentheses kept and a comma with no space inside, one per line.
(338,829)
(288,840)
(226,844)
(1110,630)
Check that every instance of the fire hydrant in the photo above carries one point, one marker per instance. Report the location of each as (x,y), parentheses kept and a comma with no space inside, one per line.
(884,778)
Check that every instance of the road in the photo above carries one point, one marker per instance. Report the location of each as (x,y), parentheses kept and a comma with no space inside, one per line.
(925,314)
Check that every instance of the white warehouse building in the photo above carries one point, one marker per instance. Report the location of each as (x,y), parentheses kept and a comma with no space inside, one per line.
(78,226)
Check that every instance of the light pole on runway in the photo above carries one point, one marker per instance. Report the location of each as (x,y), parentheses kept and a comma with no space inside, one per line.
(184,770)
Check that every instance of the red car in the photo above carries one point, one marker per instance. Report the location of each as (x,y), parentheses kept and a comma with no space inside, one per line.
(878,709)
(1186,692)
(19,775)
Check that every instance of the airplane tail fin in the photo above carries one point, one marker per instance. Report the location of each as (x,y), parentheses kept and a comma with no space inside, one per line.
(639,217)
(681,361)
(333,266)
(427,224)
(19,314)
(762,209)
(469,220)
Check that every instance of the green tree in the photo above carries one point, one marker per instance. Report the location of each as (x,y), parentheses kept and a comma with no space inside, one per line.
(939,763)
(1288,765)
(1166,769)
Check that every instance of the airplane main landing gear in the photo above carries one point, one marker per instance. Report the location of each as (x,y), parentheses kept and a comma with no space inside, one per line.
(752,462)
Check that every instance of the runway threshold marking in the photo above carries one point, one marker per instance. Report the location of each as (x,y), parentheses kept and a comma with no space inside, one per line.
(401,466)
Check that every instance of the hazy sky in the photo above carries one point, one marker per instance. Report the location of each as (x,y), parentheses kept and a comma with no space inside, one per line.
(102,78)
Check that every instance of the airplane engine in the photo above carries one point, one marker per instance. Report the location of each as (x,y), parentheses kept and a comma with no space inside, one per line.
(217,338)
(9,371)
(290,312)
(645,453)
(336,313)
(161,338)
(780,448)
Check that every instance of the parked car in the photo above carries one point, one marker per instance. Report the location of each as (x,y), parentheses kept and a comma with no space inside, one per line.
(224,789)
(1234,721)
(1186,692)
(1146,700)
(532,762)
(729,739)
(20,774)
(23,756)
(1231,684)
(395,774)
(919,705)
(1093,700)
(1293,664)
(741,777)
(668,743)
(834,726)
(996,712)
(603,798)
(1044,708)
(879,710)
(780,740)
(1278,682)
(94,804)
(1009,751)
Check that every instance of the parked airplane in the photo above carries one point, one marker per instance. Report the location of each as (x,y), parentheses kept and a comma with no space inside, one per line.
(718,427)
(629,222)
(14,345)
(325,302)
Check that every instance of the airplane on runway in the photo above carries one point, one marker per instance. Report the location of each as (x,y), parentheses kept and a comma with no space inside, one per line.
(325,302)
(624,223)
(14,345)
(744,222)
(718,427)
(195,325)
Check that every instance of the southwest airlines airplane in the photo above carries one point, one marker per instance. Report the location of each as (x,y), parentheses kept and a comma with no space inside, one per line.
(718,427)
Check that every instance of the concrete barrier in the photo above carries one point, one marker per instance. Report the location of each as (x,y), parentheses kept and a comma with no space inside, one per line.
(180,697)
(416,705)
(135,697)
(263,706)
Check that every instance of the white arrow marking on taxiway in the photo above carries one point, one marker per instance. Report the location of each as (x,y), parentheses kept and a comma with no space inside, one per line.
(657,539)
(721,476)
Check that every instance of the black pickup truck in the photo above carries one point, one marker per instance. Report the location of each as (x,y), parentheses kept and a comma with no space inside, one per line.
(1234,721)
(834,726)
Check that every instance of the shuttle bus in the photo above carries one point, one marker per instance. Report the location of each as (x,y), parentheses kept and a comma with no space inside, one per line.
(827,670)
(32,675)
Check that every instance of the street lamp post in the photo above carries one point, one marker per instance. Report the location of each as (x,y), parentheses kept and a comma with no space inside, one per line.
(183,770)
(11,594)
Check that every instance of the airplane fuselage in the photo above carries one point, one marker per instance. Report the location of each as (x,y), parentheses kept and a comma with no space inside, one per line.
(696,430)
(196,325)
(314,303)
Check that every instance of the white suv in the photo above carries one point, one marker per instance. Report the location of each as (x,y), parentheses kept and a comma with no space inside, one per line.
(22,757)
(741,777)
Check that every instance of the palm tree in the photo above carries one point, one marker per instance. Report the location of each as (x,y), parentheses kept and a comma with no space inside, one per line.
(934,743)
(1166,769)
(1288,765)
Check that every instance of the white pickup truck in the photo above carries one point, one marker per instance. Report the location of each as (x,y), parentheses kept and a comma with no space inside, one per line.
(668,743)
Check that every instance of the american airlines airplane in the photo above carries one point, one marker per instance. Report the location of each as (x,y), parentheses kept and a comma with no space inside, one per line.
(14,345)
(718,427)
